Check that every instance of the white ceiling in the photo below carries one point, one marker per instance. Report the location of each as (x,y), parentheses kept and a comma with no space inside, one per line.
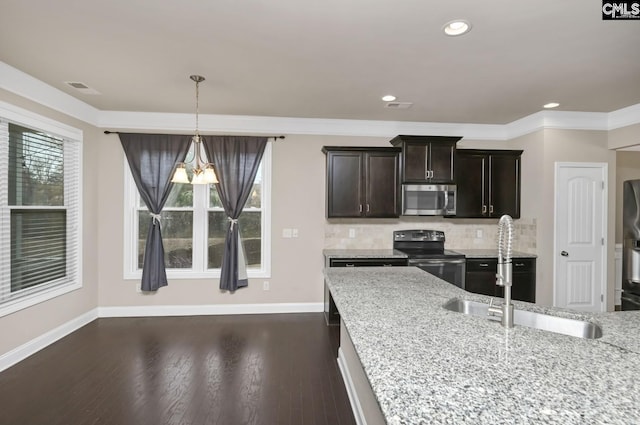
(329,58)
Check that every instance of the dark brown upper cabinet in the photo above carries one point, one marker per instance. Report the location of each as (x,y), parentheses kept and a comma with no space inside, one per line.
(427,159)
(488,183)
(363,182)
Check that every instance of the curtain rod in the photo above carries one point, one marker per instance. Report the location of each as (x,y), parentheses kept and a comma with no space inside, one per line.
(268,137)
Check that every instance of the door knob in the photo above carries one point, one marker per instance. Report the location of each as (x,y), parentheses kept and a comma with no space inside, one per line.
(564,253)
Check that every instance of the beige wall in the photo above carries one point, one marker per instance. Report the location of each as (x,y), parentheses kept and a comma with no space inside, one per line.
(571,146)
(298,193)
(624,137)
(298,201)
(23,326)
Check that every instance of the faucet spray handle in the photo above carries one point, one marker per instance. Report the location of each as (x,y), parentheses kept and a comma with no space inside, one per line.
(493,310)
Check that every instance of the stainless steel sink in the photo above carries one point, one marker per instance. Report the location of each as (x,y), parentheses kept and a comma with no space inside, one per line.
(561,325)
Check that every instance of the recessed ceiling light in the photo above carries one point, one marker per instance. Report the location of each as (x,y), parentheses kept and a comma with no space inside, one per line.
(389,98)
(551,105)
(457,27)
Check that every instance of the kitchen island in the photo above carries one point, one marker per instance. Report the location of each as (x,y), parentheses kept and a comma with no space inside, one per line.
(424,364)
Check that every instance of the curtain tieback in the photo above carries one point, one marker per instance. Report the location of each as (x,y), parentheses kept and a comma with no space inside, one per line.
(156,219)
(233,221)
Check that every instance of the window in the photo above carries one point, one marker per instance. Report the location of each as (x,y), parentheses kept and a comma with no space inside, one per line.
(40,203)
(194,227)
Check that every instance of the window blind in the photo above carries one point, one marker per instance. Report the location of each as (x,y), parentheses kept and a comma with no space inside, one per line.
(40,201)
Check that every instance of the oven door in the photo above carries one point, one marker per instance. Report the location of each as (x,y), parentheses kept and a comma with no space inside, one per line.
(450,270)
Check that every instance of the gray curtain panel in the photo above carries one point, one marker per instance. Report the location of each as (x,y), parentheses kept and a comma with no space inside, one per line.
(152,159)
(235,160)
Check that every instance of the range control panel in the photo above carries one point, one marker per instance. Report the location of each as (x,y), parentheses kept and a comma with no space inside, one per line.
(418,235)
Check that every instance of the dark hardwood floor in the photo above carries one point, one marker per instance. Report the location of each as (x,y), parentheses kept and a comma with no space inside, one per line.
(222,370)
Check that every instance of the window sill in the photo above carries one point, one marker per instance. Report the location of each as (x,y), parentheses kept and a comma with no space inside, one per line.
(188,274)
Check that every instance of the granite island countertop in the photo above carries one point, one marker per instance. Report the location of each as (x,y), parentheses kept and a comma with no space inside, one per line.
(429,365)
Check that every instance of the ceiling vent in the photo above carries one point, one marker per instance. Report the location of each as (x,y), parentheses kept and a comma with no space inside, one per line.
(82,87)
(399,105)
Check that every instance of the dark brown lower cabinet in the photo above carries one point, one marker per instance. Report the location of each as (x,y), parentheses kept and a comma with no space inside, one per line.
(480,278)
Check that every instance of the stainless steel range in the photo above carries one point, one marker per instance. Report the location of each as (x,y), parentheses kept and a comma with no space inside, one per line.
(425,249)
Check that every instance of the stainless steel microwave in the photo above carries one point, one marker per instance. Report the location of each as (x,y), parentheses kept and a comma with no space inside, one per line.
(428,199)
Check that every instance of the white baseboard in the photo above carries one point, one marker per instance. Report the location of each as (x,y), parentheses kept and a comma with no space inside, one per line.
(358,414)
(20,353)
(207,310)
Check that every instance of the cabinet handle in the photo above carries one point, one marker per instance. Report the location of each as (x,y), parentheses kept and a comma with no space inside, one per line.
(430,174)
(360,208)
(368,209)
(519,264)
(490,209)
(484,209)
(483,265)
(349,265)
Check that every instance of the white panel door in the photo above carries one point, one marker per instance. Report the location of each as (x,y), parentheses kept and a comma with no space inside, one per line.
(580,230)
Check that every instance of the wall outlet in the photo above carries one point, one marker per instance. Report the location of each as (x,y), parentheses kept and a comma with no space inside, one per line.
(139,288)
(294,233)
(479,233)
(265,285)
(286,233)
(352,233)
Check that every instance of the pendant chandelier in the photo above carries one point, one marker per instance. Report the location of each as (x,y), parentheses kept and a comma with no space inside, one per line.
(203,172)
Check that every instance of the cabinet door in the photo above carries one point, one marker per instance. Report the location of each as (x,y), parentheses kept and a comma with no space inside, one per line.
(344,184)
(504,185)
(415,162)
(441,162)
(524,279)
(481,276)
(471,196)
(382,185)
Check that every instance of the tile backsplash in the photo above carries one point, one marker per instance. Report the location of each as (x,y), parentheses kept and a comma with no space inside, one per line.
(459,233)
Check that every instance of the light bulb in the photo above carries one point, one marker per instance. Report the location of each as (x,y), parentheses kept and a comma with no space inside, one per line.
(210,176)
(180,175)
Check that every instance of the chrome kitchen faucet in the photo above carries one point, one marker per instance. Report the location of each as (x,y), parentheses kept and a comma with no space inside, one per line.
(504,275)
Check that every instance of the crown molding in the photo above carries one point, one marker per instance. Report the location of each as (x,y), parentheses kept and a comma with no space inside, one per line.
(624,117)
(227,124)
(22,84)
(566,120)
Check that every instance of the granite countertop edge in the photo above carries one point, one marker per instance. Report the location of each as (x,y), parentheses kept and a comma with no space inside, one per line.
(363,253)
(491,253)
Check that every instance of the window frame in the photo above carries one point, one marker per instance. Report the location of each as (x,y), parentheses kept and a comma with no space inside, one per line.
(200,210)
(28,297)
